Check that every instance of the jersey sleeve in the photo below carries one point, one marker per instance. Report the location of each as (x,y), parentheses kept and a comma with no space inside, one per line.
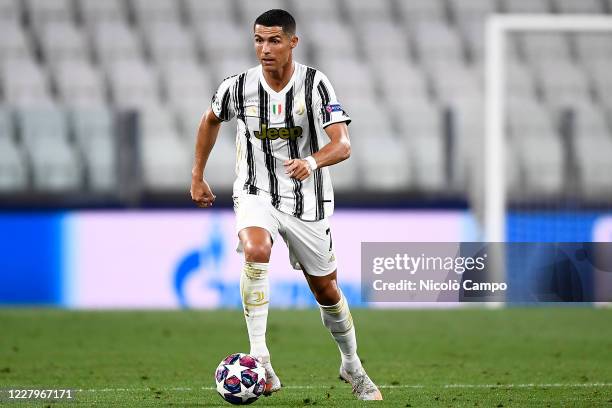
(222,101)
(326,103)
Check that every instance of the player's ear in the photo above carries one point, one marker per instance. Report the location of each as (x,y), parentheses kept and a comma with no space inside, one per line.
(293,42)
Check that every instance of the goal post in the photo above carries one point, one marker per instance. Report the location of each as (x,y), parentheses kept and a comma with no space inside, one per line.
(493,182)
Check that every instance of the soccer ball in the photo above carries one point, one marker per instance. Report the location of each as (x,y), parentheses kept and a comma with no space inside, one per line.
(240,379)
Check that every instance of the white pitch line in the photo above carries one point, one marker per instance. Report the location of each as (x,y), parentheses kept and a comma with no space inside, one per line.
(530,385)
(398,386)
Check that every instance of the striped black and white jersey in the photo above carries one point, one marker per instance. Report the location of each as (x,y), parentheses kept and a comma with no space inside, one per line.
(276,126)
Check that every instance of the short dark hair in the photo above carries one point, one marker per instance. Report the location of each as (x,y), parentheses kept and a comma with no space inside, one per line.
(277,18)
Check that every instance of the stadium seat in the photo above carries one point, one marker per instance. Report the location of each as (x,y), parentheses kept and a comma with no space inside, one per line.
(545,47)
(345,175)
(467,143)
(590,122)
(100,156)
(231,66)
(189,117)
(93,130)
(594,165)
(153,11)
(393,47)
(384,161)
(593,47)
(91,122)
(473,35)
(469,16)
(222,40)
(421,10)
(302,53)
(370,123)
(400,81)
(513,171)
(250,10)
(464,10)
(168,42)
(55,166)
(166,163)
(343,45)
(395,65)
(437,42)
(427,161)
(221,166)
(542,173)
(62,41)
(156,121)
(362,11)
(14,43)
(369,117)
(579,7)
(527,117)
(514,48)
(520,81)
(455,82)
(526,6)
(93,12)
(314,10)
(350,78)
(599,73)
(42,12)
(38,124)
(133,84)
(563,84)
(209,11)
(418,118)
(79,84)
(187,84)
(25,83)
(13,169)
(474,183)
(114,41)
(7,127)
(9,11)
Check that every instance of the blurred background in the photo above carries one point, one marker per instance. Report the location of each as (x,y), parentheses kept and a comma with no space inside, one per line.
(100,103)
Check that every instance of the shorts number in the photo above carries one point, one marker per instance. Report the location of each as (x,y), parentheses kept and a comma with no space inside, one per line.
(328,232)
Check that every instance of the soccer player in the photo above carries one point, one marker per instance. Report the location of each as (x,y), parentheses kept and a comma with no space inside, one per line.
(290,129)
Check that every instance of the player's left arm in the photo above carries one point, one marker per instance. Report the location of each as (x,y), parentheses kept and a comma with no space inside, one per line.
(337,150)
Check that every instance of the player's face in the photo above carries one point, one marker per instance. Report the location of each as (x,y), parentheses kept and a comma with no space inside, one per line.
(273,47)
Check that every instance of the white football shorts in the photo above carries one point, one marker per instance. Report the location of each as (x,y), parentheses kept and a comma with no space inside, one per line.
(309,242)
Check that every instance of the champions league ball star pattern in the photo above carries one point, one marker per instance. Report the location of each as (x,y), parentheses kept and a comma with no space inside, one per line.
(240,379)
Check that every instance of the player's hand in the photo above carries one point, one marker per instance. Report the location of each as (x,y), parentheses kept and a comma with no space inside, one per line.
(298,169)
(201,194)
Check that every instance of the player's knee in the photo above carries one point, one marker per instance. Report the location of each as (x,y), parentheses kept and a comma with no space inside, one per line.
(256,252)
(327,294)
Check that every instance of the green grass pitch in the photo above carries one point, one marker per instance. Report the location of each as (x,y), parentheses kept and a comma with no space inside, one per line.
(514,357)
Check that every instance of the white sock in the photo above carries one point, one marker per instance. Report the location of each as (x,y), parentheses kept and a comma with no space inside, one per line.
(337,318)
(255,293)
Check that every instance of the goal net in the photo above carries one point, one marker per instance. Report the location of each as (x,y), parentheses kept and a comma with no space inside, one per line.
(546,173)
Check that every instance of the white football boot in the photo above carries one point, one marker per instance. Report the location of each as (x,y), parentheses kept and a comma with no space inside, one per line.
(273,383)
(363,387)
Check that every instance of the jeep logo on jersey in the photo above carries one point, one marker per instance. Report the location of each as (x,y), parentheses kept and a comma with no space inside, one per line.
(274,133)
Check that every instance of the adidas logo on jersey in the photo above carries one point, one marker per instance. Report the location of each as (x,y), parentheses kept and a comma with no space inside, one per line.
(274,133)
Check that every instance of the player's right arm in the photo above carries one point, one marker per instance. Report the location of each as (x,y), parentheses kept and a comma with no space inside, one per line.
(208,130)
(221,110)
